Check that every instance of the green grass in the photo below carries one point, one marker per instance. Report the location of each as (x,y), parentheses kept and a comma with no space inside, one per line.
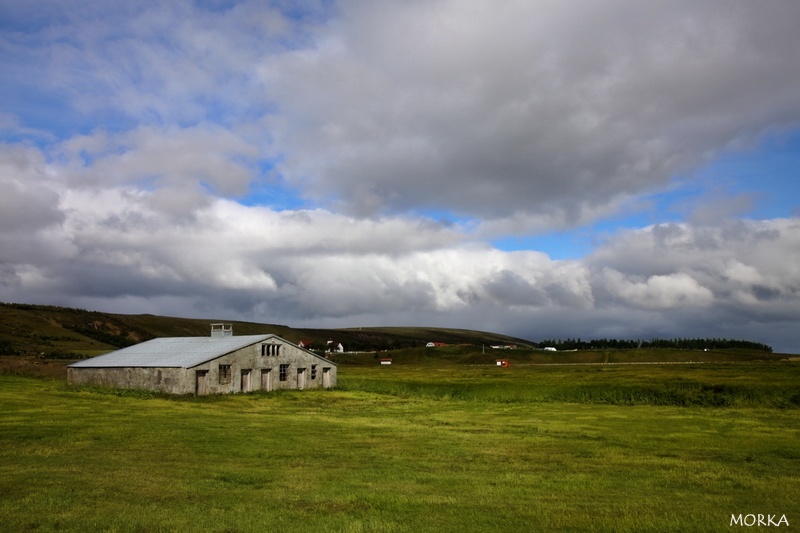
(408,449)
(478,355)
(711,385)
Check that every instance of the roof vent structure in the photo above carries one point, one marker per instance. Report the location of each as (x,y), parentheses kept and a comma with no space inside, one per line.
(221,330)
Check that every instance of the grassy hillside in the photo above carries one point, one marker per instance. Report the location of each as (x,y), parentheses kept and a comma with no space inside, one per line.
(60,332)
(63,332)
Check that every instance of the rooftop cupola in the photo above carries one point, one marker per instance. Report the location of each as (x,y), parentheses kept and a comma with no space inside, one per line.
(221,330)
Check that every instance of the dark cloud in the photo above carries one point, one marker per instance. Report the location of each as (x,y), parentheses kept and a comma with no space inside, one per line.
(505,117)
(556,109)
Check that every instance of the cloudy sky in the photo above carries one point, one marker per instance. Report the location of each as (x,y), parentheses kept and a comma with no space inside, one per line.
(546,169)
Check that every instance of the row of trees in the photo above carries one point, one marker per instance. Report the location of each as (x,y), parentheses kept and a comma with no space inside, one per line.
(36,307)
(678,344)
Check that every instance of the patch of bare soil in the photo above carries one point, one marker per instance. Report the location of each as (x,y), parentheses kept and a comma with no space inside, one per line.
(33,366)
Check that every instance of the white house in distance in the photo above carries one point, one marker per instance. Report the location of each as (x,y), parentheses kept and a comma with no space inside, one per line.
(221,363)
(334,347)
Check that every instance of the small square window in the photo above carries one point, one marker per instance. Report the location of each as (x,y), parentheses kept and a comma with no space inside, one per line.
(224,374)
(283,372)
(313,371)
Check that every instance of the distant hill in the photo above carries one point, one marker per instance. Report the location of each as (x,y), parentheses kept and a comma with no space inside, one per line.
(67,333)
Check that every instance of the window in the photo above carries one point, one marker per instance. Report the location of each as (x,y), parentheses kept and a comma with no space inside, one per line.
(224,374)
(283,373)
(270,349)
(313,372)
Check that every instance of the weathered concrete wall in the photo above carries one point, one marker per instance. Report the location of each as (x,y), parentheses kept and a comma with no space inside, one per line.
(261,367)
(314,369)
(172,380)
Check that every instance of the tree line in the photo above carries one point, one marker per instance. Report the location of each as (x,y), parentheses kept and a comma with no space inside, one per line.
(678,344)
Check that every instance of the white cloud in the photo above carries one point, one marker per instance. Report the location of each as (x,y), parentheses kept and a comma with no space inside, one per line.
(28,202)
(658,291)
(161,157)
(114,249)
(510,117)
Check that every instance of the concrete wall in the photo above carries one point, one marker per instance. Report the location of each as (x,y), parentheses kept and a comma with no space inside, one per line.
(305,370)
(249,358)
(172,380)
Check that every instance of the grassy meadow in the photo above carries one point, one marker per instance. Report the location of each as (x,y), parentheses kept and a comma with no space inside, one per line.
(411,448)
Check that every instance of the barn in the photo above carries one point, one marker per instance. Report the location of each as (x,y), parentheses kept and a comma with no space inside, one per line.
(220,363)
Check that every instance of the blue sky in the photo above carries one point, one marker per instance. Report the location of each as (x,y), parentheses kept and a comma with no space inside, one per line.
(759,182)
(768,172)
(544,169)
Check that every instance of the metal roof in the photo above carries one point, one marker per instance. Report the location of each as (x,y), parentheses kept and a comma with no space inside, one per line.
(175,352)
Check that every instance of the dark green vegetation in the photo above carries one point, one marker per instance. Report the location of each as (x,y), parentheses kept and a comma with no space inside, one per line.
(411,447)
(679,344)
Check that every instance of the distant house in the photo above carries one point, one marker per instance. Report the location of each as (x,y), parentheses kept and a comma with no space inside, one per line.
(505,346)
(334,347)
(435,344)
(549,349)
(221,363)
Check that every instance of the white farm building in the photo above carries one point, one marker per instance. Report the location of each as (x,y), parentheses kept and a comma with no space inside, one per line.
(221,363)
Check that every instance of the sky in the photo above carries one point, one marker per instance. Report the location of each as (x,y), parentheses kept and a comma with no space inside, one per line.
(547,169)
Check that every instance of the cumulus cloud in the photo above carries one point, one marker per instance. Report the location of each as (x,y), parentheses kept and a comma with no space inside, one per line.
(727,253)
(177,163)
(525,116)
(317,267)
(530,109)
(137,132)
(27,203)
(657,291)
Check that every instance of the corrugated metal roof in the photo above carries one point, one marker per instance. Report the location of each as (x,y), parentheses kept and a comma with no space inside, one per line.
(175,352)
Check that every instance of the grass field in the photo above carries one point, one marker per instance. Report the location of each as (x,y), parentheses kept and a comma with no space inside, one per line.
(411,448)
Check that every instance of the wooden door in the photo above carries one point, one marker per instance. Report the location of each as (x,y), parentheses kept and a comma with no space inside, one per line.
(200,383)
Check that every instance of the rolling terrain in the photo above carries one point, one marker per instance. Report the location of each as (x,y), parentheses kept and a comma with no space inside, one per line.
(42,340)
(67,333)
